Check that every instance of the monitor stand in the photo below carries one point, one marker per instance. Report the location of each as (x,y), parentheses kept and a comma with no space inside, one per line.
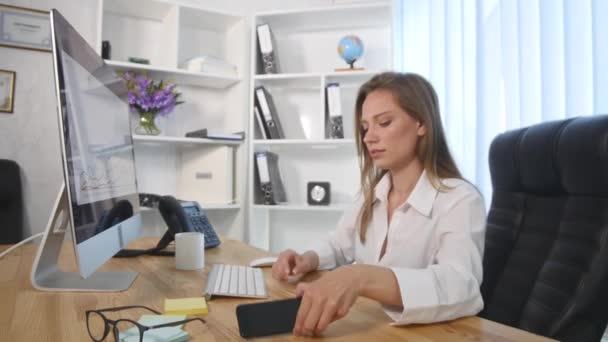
(46,275)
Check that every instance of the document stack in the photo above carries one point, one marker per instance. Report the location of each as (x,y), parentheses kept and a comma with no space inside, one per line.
(269,187)
(211,65)
(266,115)
(270,62)
(335,129)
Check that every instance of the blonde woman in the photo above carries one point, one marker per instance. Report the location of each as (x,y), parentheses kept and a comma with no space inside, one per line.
(413,239)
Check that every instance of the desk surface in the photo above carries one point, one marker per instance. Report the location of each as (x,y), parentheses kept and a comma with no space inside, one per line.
(30,315)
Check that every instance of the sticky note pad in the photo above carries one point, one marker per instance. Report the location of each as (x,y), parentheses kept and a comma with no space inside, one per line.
(167,334)
(186,306)
(151,320)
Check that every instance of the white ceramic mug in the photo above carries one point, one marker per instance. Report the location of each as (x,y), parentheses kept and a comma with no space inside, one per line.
(189,251)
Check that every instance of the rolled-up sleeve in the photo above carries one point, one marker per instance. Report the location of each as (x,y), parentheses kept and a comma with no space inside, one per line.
(450,287)
(339,248)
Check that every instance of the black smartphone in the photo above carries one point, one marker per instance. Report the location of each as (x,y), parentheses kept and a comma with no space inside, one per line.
(267,318)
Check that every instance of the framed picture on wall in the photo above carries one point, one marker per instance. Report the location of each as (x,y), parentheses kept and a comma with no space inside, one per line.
(25,28)
(7,90)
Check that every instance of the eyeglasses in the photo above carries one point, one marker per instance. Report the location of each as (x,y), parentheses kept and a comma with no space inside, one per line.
(99,326)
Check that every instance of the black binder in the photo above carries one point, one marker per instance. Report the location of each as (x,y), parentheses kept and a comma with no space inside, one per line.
(333,110)
(266,107)
(270,61)
(259,119)
(269,187)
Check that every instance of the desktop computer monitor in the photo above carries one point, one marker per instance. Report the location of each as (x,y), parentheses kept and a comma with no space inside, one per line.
(99,199)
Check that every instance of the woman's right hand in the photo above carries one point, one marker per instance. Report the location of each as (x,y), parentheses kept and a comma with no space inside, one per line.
(289,264)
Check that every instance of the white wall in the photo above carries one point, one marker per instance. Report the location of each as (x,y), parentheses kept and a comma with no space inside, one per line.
(30,135)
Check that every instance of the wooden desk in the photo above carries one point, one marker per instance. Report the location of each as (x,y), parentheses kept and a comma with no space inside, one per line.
(30,315)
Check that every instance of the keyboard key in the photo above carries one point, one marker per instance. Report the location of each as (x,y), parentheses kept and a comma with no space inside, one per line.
(260,289)
(250,282)
(225,280)
(234,279)
(242,281)
(218,277)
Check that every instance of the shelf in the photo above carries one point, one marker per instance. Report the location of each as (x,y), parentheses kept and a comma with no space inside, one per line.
(209,206)
(345,78)
(331,74)
(352,74)
(287,76)
(349,16)
(180,77)
(299,80)
(305,142)
(339,208)
(306,145)
(219,206)
(157,140)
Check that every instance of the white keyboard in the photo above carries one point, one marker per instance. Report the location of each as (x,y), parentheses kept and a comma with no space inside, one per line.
(235,281)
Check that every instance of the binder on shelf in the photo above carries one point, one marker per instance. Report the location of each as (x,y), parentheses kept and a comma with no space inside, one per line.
(270,61)
(333,108)
(269,187)
(270,117)
(260,122)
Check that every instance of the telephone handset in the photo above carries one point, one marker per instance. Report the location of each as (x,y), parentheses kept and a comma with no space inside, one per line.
(179,217)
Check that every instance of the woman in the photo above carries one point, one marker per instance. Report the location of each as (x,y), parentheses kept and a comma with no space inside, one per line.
(413,239)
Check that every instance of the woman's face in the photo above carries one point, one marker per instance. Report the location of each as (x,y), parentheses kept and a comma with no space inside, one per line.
(389,132)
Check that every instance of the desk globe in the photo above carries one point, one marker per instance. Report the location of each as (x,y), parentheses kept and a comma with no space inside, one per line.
(350,49)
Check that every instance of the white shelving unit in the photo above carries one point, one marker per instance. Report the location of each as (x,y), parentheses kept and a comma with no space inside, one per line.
(162,140)
(206,207)
(315,144)
(168,34)
(183,77)
(307,208)
(305,42)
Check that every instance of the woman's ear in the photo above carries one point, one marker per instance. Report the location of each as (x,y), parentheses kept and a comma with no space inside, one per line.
(421,129)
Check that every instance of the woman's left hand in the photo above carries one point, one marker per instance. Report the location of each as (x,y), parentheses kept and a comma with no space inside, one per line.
(327,299)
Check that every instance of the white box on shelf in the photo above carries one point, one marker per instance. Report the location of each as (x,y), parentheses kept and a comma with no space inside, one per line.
(207,176)
(211,65)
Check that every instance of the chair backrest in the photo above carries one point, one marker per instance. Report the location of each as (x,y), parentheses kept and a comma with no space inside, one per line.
(11,203)
(546,252)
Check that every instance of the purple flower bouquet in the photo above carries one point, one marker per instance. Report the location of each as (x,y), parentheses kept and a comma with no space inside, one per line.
(149,99)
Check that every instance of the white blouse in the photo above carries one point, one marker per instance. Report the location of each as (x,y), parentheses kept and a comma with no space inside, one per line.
(434,247)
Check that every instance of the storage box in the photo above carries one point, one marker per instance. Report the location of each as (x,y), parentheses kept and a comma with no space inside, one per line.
(207,175)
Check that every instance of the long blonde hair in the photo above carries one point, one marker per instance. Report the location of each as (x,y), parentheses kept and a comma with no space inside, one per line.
(415,95)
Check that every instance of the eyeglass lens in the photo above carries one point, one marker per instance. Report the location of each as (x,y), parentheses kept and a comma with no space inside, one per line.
(96,325)
(125,329)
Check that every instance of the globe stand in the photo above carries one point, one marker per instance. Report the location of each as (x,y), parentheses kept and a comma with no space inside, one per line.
(349,69)
(352,67)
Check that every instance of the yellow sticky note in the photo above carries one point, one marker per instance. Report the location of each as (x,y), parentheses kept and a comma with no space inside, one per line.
(186,306)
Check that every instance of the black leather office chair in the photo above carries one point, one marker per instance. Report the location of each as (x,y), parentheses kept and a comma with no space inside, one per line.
(546,253)
(11,203)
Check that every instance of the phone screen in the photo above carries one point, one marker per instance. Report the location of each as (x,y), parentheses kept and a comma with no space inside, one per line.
(267,318)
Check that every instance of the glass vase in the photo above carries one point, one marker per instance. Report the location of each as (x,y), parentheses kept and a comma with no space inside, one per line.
(147,125)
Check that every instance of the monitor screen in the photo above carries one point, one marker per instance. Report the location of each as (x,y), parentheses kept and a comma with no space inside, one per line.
(97,147)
